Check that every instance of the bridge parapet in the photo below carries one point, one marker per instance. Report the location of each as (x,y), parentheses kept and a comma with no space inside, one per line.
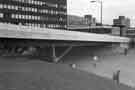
(25,32)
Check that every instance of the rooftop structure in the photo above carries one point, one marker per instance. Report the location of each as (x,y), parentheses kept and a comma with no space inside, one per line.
(122,21)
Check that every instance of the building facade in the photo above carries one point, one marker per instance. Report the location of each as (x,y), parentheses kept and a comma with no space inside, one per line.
(131,33)
(123,23)
(89,20)
(36,13)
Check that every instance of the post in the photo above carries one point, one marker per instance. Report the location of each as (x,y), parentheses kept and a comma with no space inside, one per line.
(101,13)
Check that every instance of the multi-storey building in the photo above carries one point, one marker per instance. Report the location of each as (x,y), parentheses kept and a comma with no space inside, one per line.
(89,20)
(37,13)
(131,32)
(123,23)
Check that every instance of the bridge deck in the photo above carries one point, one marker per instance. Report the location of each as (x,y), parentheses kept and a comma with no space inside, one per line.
(24,32)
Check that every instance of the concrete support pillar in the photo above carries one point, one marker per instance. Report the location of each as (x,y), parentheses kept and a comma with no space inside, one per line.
(13,50)
(132,43)
(54,57)
(125,47)
(123,31)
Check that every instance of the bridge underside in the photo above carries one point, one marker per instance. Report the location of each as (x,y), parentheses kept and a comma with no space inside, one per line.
(49,43)
(50,50)
(42,43)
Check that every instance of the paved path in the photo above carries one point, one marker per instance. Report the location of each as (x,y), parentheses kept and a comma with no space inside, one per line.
(28,74)
(107,65)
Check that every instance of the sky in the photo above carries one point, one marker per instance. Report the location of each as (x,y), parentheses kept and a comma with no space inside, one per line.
(111,9)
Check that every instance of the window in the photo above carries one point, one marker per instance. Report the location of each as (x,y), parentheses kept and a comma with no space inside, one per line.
(5,6)
(16,16)
(1,15)
(20,16)
(12,7)
(13,16)
(9,7)
(1,6)
(16,7)
(23,16)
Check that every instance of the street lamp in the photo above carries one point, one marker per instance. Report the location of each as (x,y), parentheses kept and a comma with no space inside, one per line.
(101,3)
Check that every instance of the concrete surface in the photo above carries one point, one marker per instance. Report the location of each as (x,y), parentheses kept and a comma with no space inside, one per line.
(109,62)
(28,74)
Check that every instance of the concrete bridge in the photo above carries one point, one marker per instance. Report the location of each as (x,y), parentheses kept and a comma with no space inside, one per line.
(24,32)
(16,36)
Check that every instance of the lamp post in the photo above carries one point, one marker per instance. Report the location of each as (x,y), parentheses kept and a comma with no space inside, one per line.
(101,14)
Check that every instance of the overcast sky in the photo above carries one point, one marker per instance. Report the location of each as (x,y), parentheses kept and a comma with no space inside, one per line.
(111,9)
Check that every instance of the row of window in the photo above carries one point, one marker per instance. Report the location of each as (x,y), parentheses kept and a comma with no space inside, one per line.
(1,15)
(42,25)
(41,3)
(31,17)
(43,11)
(46,25)
(28,17)
(56,26)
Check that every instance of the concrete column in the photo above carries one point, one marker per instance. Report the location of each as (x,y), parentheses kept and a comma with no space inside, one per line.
(125,47)
(54,58)
(123,31)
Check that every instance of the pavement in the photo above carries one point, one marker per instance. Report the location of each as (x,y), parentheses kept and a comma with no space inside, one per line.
(107,65)
(31,74)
